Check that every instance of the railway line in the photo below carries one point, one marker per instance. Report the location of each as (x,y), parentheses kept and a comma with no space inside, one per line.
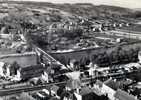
(10,91)
(28,88)
(16,90)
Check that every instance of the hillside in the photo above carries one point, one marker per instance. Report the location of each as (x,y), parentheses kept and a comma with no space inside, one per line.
(90,10)
(86,9)
(59,26)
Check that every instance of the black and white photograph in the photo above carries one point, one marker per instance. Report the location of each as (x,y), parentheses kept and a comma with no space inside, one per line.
(70,49)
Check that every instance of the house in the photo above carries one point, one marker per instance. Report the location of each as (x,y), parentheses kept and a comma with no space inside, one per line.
(73,75)
(114,84)
(78,96)
(25,96)
(16,62)
(54,89)
(97,27)
(49,93)
(89,94)
(1,68)
(101,89)
(39,96)
(139,56)
(122,95)
(68,95)
(31,71)
(73,84)
(86,93)
(109,91)
(4,33)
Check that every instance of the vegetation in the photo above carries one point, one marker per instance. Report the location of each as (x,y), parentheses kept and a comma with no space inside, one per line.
(102,56)
(118,56)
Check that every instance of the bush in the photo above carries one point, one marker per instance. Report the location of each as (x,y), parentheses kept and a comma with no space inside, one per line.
(70,34)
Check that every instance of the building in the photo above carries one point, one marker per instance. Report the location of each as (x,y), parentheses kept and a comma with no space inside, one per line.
(91,94)
(26,96)
(31,71)
(122,95)
(20,66)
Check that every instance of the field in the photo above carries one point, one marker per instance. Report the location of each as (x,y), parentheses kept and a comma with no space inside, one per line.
(133,28)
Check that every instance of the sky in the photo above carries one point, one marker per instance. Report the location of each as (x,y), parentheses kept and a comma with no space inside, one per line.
(122,3)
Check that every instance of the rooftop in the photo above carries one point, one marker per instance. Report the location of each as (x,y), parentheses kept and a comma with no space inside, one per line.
(122,95)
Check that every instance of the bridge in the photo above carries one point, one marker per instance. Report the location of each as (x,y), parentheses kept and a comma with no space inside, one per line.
(48,57)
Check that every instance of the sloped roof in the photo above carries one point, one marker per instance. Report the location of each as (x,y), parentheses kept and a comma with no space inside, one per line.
(73,84)
(122,95)
(25,96)
(98,82)
(73,75)
(112,84)
(85,90)
(55,88)
(32,68)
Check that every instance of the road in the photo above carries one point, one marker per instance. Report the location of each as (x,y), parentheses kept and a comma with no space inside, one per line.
(124,33)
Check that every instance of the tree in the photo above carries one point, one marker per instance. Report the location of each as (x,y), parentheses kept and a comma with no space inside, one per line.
(14,67)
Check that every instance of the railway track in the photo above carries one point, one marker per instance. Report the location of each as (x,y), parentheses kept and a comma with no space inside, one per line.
(10,91)
(28,88)
(16,90)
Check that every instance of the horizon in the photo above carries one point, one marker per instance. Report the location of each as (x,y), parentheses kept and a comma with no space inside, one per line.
(133,4)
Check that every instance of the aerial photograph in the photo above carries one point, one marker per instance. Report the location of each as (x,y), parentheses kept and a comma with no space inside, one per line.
(70,49)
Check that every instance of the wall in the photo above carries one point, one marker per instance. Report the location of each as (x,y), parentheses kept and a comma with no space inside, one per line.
(22,59)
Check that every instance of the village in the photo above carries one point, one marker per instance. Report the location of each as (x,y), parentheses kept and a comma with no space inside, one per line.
(48,54)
